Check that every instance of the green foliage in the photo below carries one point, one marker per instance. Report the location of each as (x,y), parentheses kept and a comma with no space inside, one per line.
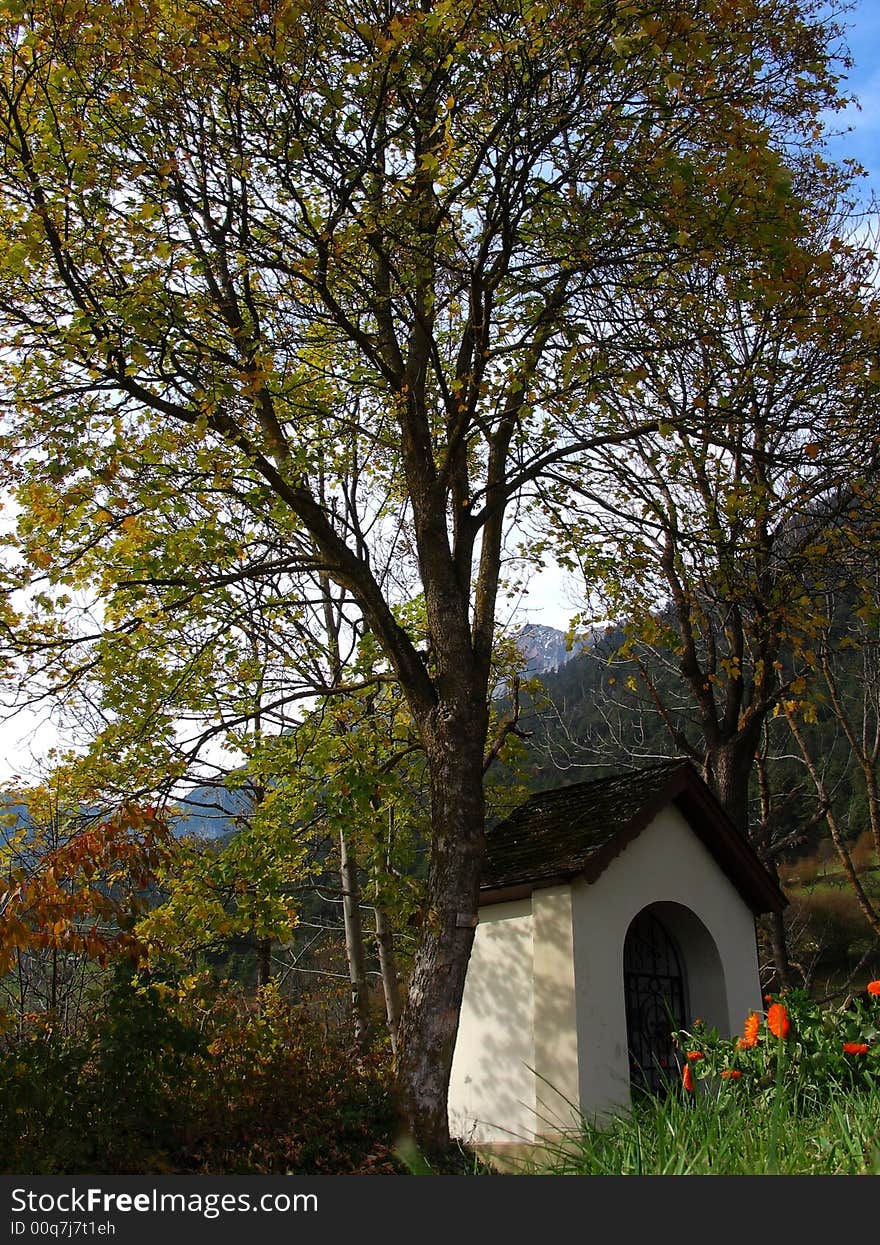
(143,1064)
(798,1050)
(213,895)
(786,1098)
(183,1079)
(110,1099)
(41,1089)
(282,1093)
(718,1136)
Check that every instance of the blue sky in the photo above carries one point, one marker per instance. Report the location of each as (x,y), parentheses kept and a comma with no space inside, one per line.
(863,141)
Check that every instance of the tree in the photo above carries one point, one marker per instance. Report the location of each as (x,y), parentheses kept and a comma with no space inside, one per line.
(719,537)
(249,246)
(840,688)
(717,541)
(73,889)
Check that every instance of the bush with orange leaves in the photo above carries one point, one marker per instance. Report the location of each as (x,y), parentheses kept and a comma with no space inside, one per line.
(82,895)
(795,1043)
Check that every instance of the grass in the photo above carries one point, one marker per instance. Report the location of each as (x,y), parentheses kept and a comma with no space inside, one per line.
(726,1134)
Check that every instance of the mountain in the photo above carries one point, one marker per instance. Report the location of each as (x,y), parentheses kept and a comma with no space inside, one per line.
(543,648)
(210,812)
(204,812)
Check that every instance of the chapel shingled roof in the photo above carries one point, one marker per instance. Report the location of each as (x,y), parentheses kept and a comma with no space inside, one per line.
(577,830)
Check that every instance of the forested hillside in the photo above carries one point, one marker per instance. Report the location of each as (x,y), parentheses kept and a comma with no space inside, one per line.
(604,710)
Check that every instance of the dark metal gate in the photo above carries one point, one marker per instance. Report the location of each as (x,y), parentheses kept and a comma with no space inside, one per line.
(655,1003)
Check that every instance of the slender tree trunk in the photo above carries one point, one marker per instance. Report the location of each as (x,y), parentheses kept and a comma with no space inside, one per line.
(779,949)
(775,923)
(22,991)
(869,909)
(388,969)
(354,942)
(264,961)
(778,937)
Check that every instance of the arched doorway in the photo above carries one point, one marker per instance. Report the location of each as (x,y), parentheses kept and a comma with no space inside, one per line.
(655,991)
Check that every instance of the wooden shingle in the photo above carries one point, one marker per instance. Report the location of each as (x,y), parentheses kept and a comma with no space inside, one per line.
(577,830)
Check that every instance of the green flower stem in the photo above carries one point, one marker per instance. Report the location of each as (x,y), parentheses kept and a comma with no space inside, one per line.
(776,1118)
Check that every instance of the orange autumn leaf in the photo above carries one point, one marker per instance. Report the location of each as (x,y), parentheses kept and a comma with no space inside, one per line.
(777,1021)
(91,877)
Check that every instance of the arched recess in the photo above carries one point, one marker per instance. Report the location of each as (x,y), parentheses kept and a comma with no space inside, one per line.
(673,974)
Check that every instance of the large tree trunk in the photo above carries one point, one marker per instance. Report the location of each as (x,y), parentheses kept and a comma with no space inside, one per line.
(430,1018)
(728,771)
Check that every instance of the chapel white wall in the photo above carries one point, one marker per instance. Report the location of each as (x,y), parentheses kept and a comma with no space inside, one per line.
(557,1073)
(664,865)
(543,1021)
(492,1087)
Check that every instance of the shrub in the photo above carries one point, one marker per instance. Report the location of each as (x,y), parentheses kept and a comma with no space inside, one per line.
(40,1121)
(185,1077)
(795,1047)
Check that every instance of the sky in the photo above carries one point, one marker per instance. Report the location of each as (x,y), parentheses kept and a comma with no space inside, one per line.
(862,142)
(551,598)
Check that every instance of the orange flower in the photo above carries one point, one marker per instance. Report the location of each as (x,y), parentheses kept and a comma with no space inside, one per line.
(695,1054)
(855,1048)
(732,1074)
(750,1032)
(777,1020)
(687,1080)
(768,998)
(874,987)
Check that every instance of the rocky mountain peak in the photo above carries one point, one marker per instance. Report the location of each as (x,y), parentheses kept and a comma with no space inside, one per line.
(543,648)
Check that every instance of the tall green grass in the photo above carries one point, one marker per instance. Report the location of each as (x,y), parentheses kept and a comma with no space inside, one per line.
(726,1134)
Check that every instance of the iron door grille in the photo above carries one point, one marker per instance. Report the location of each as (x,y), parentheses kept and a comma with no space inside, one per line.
(655,1003)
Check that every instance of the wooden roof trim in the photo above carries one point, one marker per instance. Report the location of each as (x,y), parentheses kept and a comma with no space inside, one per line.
(511,891)
(733,853)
